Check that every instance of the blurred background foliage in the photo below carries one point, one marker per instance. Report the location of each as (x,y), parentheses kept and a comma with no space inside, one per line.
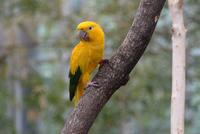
(36,38)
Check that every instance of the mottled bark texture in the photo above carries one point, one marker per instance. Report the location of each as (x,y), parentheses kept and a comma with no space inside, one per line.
(113,75)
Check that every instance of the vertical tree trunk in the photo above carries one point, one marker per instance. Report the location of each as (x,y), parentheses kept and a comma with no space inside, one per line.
(20,52)
(178,67)
(15,82)
(18,107)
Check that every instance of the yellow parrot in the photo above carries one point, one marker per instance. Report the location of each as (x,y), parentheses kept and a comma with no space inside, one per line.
(85,57)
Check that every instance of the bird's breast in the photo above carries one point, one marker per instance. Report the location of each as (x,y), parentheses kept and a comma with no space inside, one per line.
(96,55)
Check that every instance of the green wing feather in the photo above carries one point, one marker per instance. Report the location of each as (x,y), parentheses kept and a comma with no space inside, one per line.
(74,78)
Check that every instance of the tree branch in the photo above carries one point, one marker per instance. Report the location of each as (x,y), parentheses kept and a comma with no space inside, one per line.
(113,75)
(178,67)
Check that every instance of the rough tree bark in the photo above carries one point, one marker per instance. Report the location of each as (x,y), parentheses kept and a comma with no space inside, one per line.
(113,75)
(178,67)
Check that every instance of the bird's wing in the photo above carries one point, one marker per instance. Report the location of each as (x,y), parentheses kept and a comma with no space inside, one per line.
(78,64)
(74,79)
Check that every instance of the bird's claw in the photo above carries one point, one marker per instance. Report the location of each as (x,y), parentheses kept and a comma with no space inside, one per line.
(93,84)
(103,62)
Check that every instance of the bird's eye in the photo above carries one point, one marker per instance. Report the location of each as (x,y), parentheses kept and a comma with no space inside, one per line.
(90,28)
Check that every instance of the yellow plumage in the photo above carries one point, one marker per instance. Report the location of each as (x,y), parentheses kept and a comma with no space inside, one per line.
(85,57)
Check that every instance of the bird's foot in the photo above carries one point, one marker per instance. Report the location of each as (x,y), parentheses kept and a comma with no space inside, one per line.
(93,84)
(103,62)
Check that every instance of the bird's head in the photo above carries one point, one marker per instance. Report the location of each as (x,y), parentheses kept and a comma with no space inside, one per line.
(90,32)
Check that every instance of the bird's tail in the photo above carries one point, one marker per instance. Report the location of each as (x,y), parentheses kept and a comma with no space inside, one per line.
(78,94)
(81,87)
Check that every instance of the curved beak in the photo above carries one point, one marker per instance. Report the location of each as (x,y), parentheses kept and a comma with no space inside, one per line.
(83,35)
